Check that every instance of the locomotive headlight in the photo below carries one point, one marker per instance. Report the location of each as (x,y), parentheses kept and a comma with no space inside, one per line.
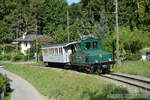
(96,61)
(109,59)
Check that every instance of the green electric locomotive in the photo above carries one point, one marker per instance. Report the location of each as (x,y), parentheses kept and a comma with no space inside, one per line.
(89,55)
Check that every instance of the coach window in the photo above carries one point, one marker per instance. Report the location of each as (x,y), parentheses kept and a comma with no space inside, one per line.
(60,50)
(56,51)
(88,45)
(52,51)
(45,51)
(49,51)
(95,44)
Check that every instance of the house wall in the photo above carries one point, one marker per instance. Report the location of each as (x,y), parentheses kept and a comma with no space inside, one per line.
(24,46)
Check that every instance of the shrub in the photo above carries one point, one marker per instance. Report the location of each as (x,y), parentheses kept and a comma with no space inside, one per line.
(133,57)
(3,81)
(5,57)
(7,48)
(19,57)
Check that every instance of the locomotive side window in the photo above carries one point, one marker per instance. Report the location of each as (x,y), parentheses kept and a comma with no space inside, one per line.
(88,45)
(95,45)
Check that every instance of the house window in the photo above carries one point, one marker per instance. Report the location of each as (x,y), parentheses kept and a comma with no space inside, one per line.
(26,44)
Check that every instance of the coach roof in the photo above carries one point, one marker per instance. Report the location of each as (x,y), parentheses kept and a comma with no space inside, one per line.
(59,45)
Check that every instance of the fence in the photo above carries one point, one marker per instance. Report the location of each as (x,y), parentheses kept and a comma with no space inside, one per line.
(2,94)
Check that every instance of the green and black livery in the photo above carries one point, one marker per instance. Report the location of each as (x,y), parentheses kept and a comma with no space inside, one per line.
(89,54)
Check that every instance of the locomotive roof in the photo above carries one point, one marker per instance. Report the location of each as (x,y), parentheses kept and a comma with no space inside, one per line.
(60,45)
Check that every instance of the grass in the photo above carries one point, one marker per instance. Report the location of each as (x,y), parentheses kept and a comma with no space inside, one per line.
(141,68)
(66,85)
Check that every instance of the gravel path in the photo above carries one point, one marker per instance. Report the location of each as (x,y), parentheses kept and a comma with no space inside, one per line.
(22,90)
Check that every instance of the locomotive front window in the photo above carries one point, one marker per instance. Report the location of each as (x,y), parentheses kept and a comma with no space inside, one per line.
(88,45)
(95,44)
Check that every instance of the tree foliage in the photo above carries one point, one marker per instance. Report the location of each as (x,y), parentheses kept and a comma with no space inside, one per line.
(95,17)
(19,16)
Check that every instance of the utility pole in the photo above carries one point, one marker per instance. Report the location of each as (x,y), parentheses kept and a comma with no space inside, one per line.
(68,26)
(117,35)
(36,43)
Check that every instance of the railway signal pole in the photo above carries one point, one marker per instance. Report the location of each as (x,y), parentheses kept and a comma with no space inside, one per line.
(117,34)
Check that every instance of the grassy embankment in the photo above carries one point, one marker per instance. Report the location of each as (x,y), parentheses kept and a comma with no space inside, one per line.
(66,85)
(141,68)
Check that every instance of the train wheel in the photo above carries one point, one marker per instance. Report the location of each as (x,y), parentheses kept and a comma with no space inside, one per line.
(91,69)
(104,70)
(99,70)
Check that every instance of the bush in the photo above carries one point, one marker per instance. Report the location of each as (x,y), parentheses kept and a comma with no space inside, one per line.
(133,57)
(3,81)
(5,57)
(7,48)
(20,57)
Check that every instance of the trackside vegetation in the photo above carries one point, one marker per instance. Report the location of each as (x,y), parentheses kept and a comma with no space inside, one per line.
(66,85)
(3,82)
(134,67)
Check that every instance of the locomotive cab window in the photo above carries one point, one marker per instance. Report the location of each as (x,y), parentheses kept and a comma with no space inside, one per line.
(88,45)
(95,45)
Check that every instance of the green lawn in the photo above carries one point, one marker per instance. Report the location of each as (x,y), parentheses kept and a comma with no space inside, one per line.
(134,67)
(66,85)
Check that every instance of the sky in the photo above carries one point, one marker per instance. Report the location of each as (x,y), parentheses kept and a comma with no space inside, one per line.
(72,1)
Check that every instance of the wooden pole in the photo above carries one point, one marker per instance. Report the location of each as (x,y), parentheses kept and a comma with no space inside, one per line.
(117,35)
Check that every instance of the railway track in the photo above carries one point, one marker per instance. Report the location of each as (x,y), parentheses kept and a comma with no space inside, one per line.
(130,79)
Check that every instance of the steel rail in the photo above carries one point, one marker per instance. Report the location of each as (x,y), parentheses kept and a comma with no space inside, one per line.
(130,77)
(140,83)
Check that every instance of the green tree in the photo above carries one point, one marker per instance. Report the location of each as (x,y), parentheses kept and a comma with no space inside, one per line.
(54,16)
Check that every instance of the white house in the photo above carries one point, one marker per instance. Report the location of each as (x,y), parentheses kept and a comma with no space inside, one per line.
(25,42)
